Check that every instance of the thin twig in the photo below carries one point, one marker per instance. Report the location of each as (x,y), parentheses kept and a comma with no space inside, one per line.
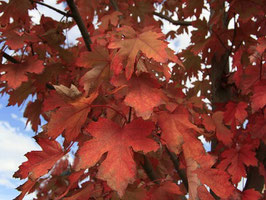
(175,22)
(52,8)
(32,50)
(9,58)
(178,23)
(76,16)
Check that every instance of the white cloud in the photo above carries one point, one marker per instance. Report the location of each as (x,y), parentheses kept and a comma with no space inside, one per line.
(13,146)
(7,183)
(14,116)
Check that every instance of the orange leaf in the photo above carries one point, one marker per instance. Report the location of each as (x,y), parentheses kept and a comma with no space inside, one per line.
(70,117)
(147,42)
(175,127)
(119,168)
(95,77)
(144,94)
(40,162)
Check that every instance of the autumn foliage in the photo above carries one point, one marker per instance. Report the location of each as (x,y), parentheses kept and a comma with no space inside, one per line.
(119,98)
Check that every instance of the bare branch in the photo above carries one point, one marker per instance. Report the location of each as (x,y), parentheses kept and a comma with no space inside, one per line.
(175,22)
(52,8)
(76,16)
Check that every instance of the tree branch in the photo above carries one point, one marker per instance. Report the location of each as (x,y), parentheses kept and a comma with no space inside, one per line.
(52,8)
(181,173)
(147,166)
(175,22)
(114,4)
(76,16)
(9,58)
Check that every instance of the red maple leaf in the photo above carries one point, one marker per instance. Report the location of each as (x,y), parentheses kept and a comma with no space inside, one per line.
(119,168)
(109,19)
(235,159)
(175,129)
(204,194)
(235,112)
(33,112)
(12,9)
(99,56)
(143,95)
(147,42)
(25,189)
(251,194)
(40,162)
(120,90)
(259,96)
(167,190)
(177,133)
(70,118)
(223,133)
(217,180)
(15,74)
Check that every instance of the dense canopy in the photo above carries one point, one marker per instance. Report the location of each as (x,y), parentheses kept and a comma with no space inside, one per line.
(131,112)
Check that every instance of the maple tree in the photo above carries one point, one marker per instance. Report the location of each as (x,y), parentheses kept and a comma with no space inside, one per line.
(119,98)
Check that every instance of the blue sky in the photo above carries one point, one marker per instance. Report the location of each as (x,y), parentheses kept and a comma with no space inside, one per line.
(15,142)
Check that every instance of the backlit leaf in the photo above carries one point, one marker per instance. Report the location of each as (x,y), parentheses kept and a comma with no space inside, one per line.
(119,168)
